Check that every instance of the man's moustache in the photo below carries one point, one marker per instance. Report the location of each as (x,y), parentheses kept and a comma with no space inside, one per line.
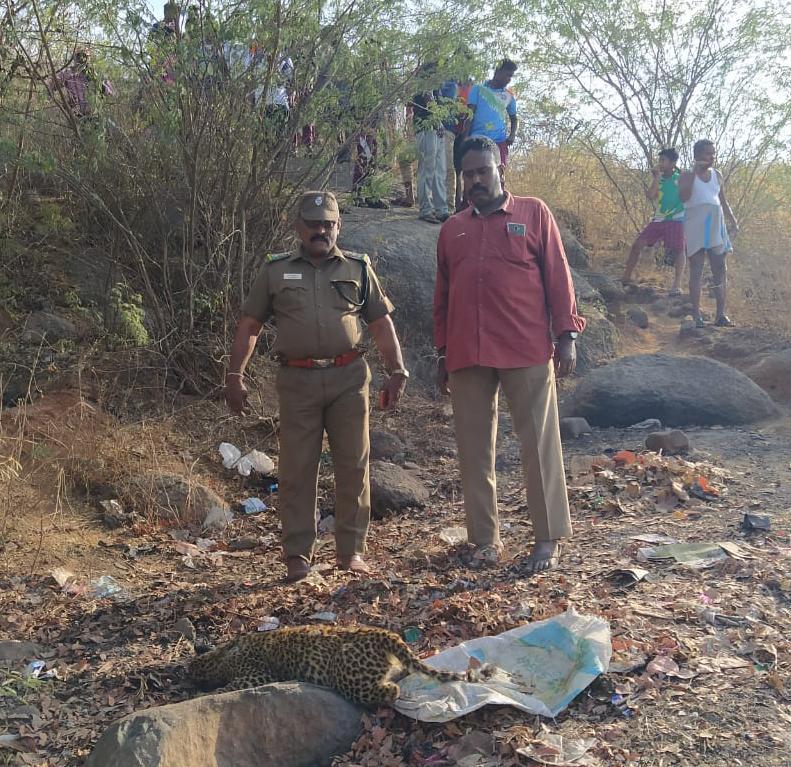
(320,237)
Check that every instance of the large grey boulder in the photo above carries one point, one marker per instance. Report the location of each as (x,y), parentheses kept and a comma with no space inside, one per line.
(14,650)
(678,391)
(773,374)
(386,446)
(395,489)
(278,725)
(171,497)
(45,326)
(599,342)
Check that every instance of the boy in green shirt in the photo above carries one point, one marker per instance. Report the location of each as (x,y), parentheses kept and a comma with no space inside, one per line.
(667,226)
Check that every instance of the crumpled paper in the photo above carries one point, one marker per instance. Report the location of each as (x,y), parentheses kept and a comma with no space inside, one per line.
(538,668)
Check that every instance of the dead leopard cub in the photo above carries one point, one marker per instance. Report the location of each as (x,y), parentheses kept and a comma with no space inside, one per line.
(362,663)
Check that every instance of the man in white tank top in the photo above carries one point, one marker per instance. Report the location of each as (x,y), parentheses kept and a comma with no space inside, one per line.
(703,193)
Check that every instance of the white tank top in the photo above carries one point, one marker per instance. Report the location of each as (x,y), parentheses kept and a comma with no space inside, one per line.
(704,193)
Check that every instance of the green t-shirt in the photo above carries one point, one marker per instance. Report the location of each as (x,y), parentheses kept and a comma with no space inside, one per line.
(669,206)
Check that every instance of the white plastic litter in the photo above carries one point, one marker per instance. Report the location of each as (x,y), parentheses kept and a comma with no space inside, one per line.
(538,668)
(230,454)
(255,459)
(453,535)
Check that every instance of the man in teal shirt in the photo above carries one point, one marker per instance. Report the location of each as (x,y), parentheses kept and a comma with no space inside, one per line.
(667,226)
(491,106)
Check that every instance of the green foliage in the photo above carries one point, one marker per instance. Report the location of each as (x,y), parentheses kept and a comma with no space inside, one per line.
(128,316)
(17,686)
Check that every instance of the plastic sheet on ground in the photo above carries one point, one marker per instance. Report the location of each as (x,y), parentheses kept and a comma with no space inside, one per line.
(538,668)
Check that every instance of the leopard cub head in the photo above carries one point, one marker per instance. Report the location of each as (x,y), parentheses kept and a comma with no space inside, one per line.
(212,668)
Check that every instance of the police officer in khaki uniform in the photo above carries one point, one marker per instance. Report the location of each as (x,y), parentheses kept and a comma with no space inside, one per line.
(319,297)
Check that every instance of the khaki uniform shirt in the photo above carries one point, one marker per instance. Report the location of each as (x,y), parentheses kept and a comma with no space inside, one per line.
(318,306)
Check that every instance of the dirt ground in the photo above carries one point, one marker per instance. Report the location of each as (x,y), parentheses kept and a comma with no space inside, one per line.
(701,657)
(725,696)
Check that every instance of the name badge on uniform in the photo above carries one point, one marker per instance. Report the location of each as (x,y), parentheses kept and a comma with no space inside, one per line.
(518,230)
(291,276)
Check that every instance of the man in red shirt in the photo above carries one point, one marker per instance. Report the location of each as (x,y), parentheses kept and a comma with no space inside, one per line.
(503,292)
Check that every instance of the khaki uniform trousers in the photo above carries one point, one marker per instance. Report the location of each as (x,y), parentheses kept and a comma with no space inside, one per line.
(334,400)
(532,399)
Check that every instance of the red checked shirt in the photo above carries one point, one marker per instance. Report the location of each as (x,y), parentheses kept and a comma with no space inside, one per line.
(503,287)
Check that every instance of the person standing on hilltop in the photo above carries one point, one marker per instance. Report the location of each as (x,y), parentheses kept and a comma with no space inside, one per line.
(432,197)
(320,298)
(702,191)
(667,226)
(503,293)
(493,110)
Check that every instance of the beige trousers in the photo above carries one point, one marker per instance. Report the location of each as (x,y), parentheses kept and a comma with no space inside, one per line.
(534,413)
(334,400)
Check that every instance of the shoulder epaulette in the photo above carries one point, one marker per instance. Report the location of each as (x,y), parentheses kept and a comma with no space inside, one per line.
(271,257)
(357,256)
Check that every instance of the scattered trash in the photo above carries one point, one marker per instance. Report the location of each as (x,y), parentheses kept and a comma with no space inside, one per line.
(100,588)
(254,460)
(538,668)
(34,668)
(114,514)
(412,634)
(325,617)
(679,492)
(662,664)
(754,522)
(713,618)
(270,623)
(629,576)
(267,484)
(649,423)
(522,611)
(217,519)
(193,553)
(626,457)
(653,538)
(230,454)
(253,506)
(453,535)
(559,751)
(700,488)
(695,555)
(106,586)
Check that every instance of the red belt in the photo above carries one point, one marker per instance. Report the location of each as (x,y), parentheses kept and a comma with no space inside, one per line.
(327,362)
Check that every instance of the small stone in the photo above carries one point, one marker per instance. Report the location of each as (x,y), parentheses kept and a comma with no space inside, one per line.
(184,627)
(393,489)
(246,543)
(670,441)
(573,428)
(648,423)
(217,519)
(679,310)
(412,466)
(638,317)
(13,650)
(688,329)
(386,446)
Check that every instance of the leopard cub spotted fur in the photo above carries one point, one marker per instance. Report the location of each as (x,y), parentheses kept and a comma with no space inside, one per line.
(362,663)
